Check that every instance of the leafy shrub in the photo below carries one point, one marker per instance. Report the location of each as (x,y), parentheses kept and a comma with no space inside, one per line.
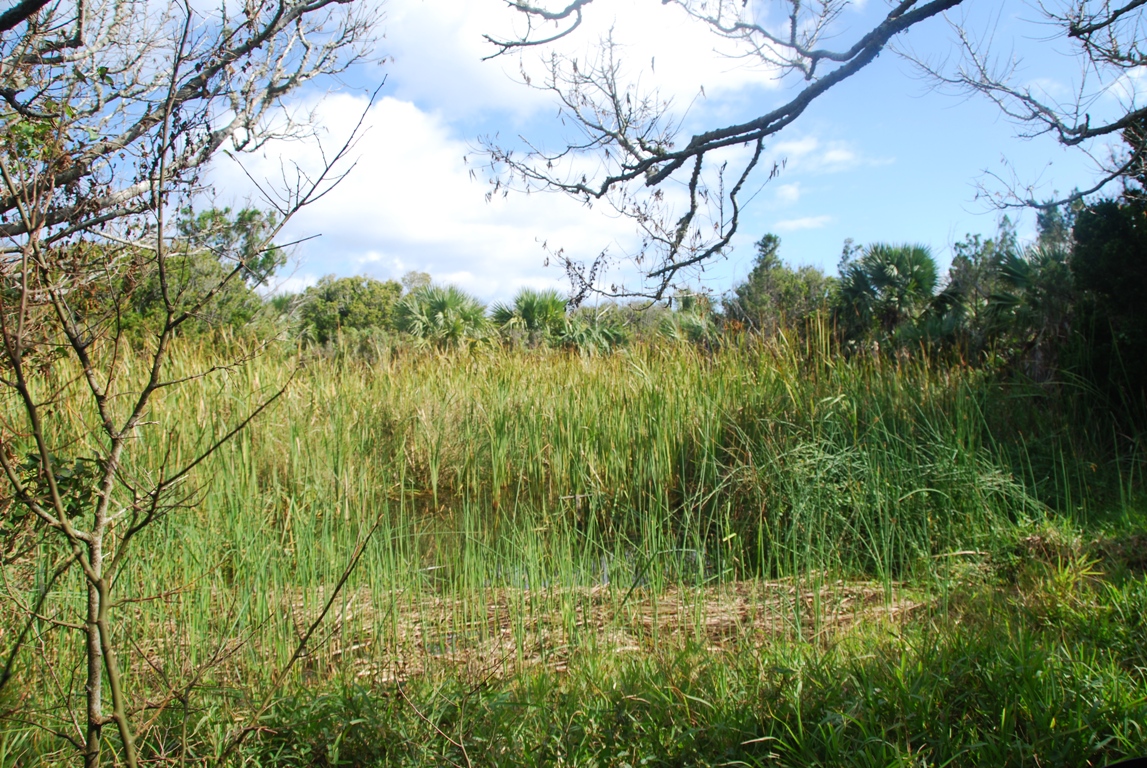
(346,303)
(1109,264)
(593,331)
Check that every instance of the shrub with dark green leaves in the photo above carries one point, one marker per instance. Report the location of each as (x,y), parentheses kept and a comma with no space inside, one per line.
(347,303)
(1109,264)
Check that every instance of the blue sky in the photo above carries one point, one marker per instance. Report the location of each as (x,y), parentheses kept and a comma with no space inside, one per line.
(886,157)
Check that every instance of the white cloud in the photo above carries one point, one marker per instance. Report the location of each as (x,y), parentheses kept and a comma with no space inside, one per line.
(787,194)
(1124,93)
(838,157)
(795,149)
(412,202)
(808,222)
(293,283)
(810,154)
(436,51)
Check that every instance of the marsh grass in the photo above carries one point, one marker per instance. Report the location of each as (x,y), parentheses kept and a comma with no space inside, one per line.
(767,553)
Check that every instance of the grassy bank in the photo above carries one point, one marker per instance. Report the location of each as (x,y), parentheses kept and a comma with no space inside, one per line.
(766,555)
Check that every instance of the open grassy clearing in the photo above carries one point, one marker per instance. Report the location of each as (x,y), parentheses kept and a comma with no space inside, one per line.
(767,555)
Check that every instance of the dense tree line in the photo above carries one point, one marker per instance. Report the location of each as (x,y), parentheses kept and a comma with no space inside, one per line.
(1067,304)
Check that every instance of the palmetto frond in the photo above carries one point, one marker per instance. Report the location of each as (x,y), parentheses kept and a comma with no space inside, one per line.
(441,316)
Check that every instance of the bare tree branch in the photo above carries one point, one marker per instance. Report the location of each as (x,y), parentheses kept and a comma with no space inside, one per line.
(1107,39)
(20,12)
(633,137)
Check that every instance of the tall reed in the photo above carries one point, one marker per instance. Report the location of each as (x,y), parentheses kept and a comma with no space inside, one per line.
(530,503)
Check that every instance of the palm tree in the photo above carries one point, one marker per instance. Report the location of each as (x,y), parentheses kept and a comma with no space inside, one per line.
(1032,309)
(541,314)
(887,285)
(441,316)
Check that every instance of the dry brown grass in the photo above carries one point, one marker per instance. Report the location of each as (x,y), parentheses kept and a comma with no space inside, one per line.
(519,629)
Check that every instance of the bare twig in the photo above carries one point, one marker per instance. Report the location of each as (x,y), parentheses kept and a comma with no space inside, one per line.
(633,137)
